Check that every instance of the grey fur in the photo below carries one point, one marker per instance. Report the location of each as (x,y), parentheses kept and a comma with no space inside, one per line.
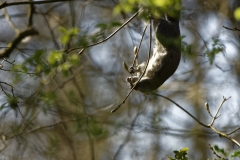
(165,59)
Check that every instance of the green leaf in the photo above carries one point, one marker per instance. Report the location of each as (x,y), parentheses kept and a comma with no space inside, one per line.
(180,155)
(74,31)
(3,106)
(236,154)
(102,26)
(54,57)
(237,14)
(67,34)
(184,149)
(63,30)
(73,59)
(65,38)
(220,150)
(12,101)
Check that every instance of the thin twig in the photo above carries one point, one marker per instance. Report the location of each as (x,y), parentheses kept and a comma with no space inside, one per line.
(110,36)
(7,4)
(216,115)
(216,153)
(149,53)
(221,134)
(8,70)
(138,48)
(233,131)
(232,29)
(127,137)
(8,18)
(182,109)
(31,10)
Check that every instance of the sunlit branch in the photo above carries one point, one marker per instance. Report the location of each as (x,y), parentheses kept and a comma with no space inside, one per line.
(8,18)
(216,115)
(221,134)
(182,109)
(110,36)
(149,53)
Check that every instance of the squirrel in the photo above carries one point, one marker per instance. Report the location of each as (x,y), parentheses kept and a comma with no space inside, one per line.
(165,59)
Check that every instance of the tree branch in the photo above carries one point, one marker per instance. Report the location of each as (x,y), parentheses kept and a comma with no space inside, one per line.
(11,46)
(110,36)
(232,29)
(221,134)
(7,4)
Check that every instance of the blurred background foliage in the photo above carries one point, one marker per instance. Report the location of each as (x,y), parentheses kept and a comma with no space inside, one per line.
(55,104)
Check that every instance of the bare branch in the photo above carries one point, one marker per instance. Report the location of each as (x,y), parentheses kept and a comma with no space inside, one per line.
(11,46)
(110,36)
(216,115)
(221,134)
(31,10)
(233,131)
(232,29)
(7,4)
(149,53)
(182,109)
(8,18)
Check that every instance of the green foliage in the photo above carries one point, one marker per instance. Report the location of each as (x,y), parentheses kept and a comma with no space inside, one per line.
(225,154)
(180,155)
(4,105)
(38,62)
(97,130)
(12,101)
(237,14)
(217,47)
(67,34)
(47,97)
(52,148)
(104,26)
(235,154)
(186,49)
(55,57)
(220,150)
(43,62)
(172,7)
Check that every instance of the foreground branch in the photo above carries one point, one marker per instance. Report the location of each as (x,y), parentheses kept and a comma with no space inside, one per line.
(11,46)
(221,134)
(7,4)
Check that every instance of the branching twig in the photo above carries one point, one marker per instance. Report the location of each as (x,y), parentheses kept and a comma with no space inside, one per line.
(216,153)
(127,137)
(216,115)
(232,29)
(221,134)
(110,36)
(14,105)
(138,48)
(182,109)
(149,53)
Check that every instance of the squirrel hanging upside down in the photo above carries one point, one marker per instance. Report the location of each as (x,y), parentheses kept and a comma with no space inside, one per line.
(165,59)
